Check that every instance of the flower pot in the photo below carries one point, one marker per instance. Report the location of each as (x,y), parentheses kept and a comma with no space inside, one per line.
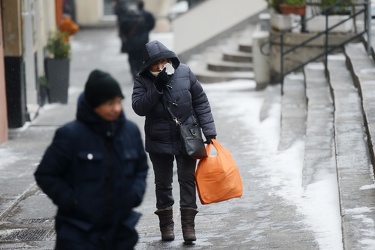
(57,72)
(318,24)
(281,22)
(43,95)
(291,9)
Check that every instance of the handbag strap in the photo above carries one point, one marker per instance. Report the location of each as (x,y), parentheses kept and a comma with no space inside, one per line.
(174,118)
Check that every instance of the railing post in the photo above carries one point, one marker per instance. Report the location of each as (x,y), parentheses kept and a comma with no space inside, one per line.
(326,47)
(282,59)
(369,17)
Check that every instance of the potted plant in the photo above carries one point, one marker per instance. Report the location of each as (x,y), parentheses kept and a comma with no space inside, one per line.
(336,7)
(275,5)
(278,20)
(336,11)
(57,66)
(296,7)
(43,90)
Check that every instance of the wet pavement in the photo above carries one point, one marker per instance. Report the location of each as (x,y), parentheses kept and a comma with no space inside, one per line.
(266,217)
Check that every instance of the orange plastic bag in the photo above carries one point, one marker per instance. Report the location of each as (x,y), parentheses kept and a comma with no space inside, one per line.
(217,177)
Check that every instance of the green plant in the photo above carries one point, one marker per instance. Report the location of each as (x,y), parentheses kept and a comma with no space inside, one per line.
(58,46)
(275,5)
(336,7)
(295,2)
(43,81)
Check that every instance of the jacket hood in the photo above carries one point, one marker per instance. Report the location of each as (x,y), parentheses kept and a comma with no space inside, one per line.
(155,51)
(87,115)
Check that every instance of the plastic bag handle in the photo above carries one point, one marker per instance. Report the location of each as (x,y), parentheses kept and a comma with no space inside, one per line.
(216,145)
(208,149)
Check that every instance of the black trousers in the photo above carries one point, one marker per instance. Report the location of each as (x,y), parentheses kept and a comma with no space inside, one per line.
(163,170)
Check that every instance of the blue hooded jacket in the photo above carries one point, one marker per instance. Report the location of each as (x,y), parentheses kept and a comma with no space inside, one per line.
(95,171)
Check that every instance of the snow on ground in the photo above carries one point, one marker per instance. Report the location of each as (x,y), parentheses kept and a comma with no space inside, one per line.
(319,202)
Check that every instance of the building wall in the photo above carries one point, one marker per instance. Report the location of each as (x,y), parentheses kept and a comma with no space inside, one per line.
(13,62)
(210,19)
(3,107)
(89,12)
(160,9)
(12,27)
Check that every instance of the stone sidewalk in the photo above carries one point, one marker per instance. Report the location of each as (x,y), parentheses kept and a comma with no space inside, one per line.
(266,217)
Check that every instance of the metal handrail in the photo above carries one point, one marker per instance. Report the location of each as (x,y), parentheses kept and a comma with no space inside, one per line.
(326,32)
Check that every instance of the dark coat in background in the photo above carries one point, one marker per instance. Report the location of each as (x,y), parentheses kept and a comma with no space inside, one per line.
(184,95)
(95,171)
(135,26)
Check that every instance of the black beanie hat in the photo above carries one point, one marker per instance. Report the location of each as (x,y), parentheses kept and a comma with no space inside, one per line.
(101,87)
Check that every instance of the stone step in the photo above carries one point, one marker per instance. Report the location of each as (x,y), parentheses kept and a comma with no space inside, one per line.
(245,41)
(220,66)
(293,111)
(340,135)
(237,56)
(362,68)
(230,59)
(319,157)
(245,47)
(335,135)
(354,170)
(207,76)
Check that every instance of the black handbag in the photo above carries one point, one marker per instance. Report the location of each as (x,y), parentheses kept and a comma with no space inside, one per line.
(191,137)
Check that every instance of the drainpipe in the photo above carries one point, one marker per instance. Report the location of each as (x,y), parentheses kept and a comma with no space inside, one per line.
(28,15)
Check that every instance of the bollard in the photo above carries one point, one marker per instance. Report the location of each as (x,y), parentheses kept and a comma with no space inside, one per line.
(264,21)
(260,58)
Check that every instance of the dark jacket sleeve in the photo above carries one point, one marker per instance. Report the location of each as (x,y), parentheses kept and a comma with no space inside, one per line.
(49,174)
(144,99)
(202,107)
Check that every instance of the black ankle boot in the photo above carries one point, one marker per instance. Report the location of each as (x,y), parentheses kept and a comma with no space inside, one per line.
(166,223)
(188,225)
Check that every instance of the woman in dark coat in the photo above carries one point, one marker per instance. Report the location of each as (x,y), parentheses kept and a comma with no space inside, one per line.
(95,172)
(185,96)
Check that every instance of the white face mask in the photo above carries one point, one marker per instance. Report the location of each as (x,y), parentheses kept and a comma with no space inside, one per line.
(169,69)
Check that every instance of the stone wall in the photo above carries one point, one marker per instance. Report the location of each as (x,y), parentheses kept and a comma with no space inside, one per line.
(302,54)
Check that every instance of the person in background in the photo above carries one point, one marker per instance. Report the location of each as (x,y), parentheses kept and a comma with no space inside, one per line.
(149,18)
(135,24)
(95,171)
(178,88)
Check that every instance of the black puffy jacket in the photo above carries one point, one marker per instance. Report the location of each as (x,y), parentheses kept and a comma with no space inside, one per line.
(94,171)
(184,95)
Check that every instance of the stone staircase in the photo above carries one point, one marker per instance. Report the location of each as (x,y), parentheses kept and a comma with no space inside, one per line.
(340,130)
(230,59)
(333,114)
